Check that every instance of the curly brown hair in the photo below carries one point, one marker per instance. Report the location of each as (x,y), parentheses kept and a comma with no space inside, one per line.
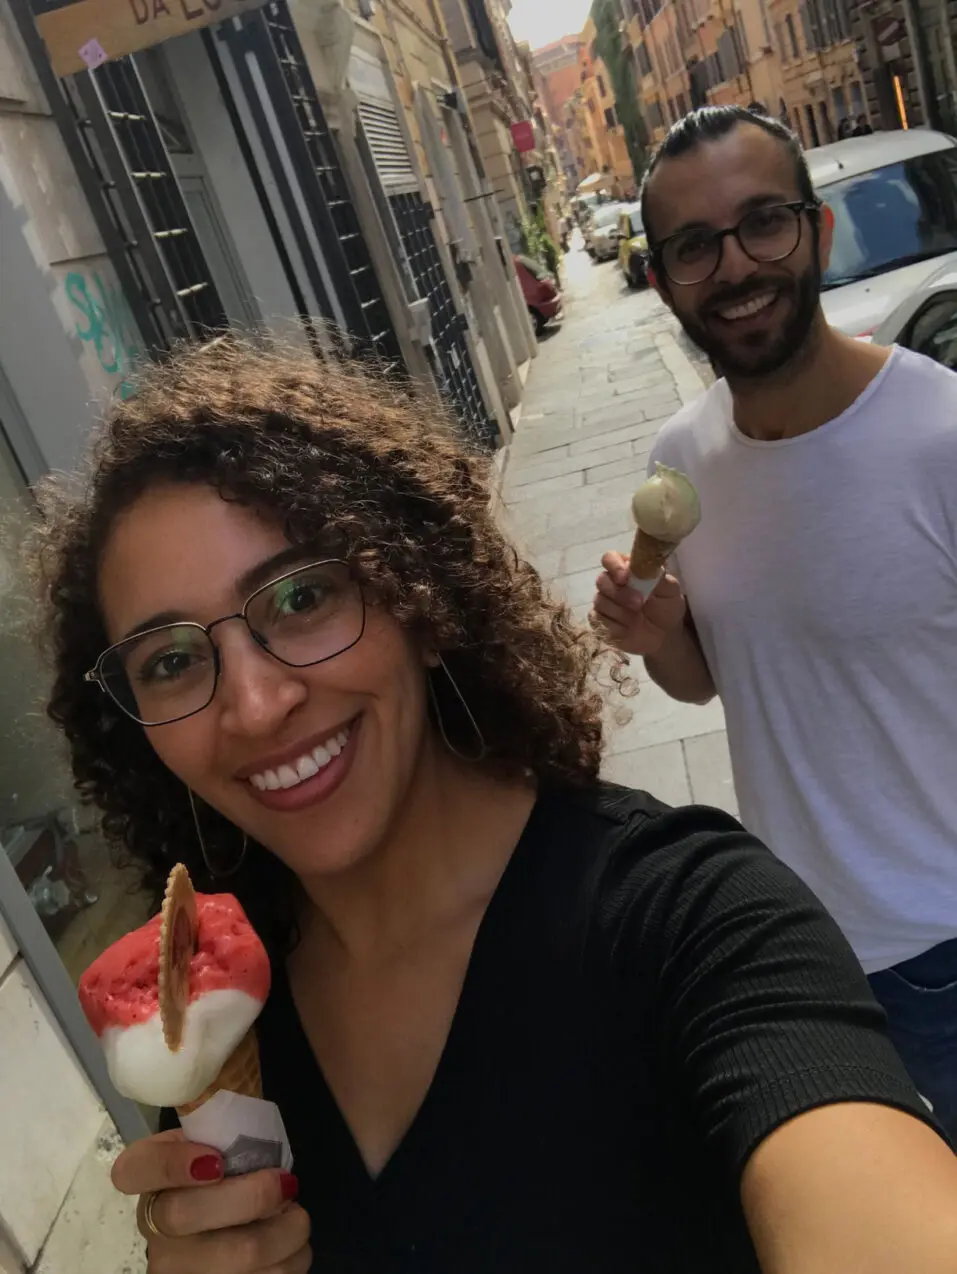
(342,461)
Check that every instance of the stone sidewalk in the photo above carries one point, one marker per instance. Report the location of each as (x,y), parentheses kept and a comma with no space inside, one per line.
(603,384)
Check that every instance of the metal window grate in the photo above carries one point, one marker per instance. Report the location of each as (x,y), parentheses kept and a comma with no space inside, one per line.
(366,308)
(149,168)
(157,327)
(453,362)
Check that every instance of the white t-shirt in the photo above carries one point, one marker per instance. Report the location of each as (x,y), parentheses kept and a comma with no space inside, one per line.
(823,582)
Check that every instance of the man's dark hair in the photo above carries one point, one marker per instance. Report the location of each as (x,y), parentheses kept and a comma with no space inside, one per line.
(710,123)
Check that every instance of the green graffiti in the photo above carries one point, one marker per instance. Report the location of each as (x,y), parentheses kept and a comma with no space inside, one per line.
(106,322)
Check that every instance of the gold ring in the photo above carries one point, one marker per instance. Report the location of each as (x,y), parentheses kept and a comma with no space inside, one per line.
(148,1201)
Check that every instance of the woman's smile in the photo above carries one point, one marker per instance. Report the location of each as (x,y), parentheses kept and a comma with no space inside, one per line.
(305,773)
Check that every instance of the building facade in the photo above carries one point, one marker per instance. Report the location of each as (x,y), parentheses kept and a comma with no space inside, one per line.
(557,80)
(600,117)
(795,59)
(907,54)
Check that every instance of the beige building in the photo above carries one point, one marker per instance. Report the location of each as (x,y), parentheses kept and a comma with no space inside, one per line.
(499,96)
(820,80)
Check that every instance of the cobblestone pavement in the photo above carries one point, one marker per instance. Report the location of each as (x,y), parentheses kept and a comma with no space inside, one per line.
(602,385)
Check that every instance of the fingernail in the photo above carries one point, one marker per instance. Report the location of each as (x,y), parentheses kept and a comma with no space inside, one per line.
(288,1186)
(206,1168)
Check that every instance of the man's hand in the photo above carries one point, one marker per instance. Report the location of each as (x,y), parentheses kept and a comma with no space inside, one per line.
(635,625)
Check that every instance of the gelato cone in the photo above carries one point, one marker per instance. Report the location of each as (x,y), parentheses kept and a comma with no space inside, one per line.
(648,556)
(174,1005)
(666,509)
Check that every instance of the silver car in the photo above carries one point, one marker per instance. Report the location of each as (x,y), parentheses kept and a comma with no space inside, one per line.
(927,320)
(601,233)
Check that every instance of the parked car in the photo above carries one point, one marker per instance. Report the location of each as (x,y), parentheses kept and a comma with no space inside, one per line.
(601,232)
(894,199)
(632,245)
(540,291)
(927,320)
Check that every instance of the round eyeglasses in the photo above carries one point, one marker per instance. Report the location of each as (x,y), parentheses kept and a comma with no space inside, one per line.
(766,234)
(167,673)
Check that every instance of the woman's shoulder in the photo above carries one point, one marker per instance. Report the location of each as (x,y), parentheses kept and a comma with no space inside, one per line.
(638,864)
(606,824)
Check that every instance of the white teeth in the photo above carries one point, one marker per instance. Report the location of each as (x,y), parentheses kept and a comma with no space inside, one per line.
(287,776)
(754,306)
(306,767)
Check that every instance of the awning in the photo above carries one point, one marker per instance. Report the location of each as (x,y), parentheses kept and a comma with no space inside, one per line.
(595,181)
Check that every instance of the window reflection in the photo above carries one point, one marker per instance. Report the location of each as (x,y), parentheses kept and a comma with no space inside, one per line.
(84,902)
(893,216)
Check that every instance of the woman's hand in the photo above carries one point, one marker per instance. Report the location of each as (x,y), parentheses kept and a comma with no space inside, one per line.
(207,1224)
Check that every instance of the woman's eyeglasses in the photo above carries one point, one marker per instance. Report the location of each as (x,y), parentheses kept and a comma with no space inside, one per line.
(302,618)
(766,234)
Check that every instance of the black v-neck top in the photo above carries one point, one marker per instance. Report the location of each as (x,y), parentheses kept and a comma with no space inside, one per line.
(650,994)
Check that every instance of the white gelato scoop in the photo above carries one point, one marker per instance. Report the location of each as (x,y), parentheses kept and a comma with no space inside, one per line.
(666,507)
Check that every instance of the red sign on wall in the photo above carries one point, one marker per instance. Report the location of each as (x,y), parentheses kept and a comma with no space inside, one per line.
(523,135)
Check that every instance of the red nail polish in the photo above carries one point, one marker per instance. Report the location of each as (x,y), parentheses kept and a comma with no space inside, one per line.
(206,1168)
(288,1186)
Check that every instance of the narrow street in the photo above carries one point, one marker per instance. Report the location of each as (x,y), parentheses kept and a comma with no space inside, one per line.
(604,382)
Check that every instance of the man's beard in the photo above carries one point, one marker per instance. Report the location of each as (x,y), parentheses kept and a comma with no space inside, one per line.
(732,358)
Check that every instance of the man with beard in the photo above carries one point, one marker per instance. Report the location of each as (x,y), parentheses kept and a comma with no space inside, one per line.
(818,597)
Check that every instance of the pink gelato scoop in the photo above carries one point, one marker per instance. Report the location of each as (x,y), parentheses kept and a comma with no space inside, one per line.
(229,979)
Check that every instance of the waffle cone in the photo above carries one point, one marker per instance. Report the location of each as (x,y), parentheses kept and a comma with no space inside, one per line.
(648,555)
(240,1074)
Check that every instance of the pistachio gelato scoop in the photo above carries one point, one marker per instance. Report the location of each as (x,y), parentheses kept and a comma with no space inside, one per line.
(666,507)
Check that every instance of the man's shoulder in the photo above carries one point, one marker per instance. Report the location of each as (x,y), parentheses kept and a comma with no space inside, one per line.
(913,373)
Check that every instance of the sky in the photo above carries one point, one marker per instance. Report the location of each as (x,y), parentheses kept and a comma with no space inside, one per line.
(541,21)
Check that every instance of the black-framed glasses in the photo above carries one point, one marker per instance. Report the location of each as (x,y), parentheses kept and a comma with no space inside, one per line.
(769,233)
(171,672)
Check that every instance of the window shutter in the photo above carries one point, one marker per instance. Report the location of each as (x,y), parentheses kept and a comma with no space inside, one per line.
(388,146)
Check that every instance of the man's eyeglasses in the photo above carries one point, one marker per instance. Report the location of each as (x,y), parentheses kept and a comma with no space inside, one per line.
(302,618)
(766,234)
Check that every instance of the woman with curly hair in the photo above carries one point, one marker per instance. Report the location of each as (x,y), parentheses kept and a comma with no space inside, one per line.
(521,1020)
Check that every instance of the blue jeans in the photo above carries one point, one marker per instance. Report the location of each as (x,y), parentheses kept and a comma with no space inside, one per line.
(920,1000)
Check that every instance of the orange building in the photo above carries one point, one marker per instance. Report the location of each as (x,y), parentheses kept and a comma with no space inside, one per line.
(790,58)
(600,118)
(556,66)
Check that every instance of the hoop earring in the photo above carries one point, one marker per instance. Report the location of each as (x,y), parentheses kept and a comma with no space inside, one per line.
(482,746)
(213,871)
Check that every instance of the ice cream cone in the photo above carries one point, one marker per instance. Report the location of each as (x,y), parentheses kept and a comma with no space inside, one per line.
(648,556)
(240,1074)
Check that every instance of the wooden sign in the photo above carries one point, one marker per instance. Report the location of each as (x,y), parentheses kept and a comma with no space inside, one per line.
(86,33)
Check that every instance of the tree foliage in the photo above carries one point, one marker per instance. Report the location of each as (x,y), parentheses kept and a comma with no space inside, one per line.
(608,45)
